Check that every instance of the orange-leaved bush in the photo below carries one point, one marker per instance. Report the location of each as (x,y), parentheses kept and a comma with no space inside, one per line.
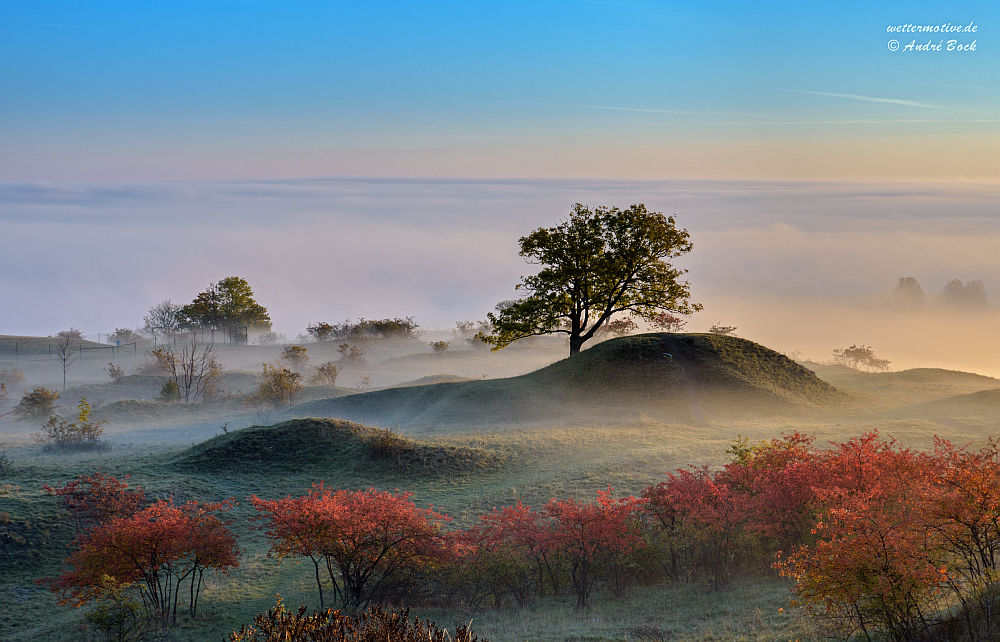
(155,550)
(92,499)
(370,543)
(592,538)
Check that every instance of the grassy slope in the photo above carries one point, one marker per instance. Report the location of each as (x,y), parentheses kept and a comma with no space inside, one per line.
(684,376)
(567,456)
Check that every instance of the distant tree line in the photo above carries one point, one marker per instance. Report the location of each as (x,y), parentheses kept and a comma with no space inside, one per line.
(966,297)
(397,328)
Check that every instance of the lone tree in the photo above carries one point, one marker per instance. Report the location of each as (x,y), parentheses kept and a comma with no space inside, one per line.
(599,262)
(225,305)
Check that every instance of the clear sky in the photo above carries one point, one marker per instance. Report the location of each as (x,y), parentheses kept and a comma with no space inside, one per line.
(125,90)
(382,159)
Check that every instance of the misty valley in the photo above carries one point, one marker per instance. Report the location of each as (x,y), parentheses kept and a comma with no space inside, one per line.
(679,457)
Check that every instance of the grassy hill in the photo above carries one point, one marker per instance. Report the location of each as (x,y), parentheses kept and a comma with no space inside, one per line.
(688,377)
(903,388)
(324,446)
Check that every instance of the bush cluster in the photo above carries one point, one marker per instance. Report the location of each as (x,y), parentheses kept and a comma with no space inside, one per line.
(278,388)
(375,623)
(881,541)
(397,328)
(38,403)
(80,434)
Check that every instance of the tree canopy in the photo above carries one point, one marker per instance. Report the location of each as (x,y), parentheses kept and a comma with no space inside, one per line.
(226,304)
(599,262)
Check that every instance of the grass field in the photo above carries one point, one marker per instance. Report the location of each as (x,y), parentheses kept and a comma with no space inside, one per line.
(468,450)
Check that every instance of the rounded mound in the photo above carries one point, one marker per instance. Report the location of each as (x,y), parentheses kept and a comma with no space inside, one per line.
(664,363)
(332,445)
(681,377)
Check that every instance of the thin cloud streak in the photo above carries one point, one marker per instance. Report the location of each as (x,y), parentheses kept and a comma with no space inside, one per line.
(872,99)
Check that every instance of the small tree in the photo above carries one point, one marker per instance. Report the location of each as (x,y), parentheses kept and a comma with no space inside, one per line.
(155,549)
(169,392)
(278,388)
(667,322)
(117,373)
(464,329)
(325,375)
(82,433)
(64,351)
(73,333)
(195,371)
(440,346)
(860,358)
(295,355)
(162,320)
(723,330)
(351,353)
(36,404)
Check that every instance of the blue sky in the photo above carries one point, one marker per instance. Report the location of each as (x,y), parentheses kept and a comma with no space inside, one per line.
(148,149)
(255,88)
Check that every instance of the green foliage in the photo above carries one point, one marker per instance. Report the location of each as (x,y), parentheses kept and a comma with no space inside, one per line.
(440,346)
(278,388)
(321,446)
(169,392)
(36,404)
(325,375)
(321,331)
(80,434)
(397,328)
(374,623)
(295,355)
(226,304)
(600,262)
(124,335)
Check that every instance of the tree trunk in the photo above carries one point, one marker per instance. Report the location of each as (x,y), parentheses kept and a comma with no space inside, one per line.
(575,343)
